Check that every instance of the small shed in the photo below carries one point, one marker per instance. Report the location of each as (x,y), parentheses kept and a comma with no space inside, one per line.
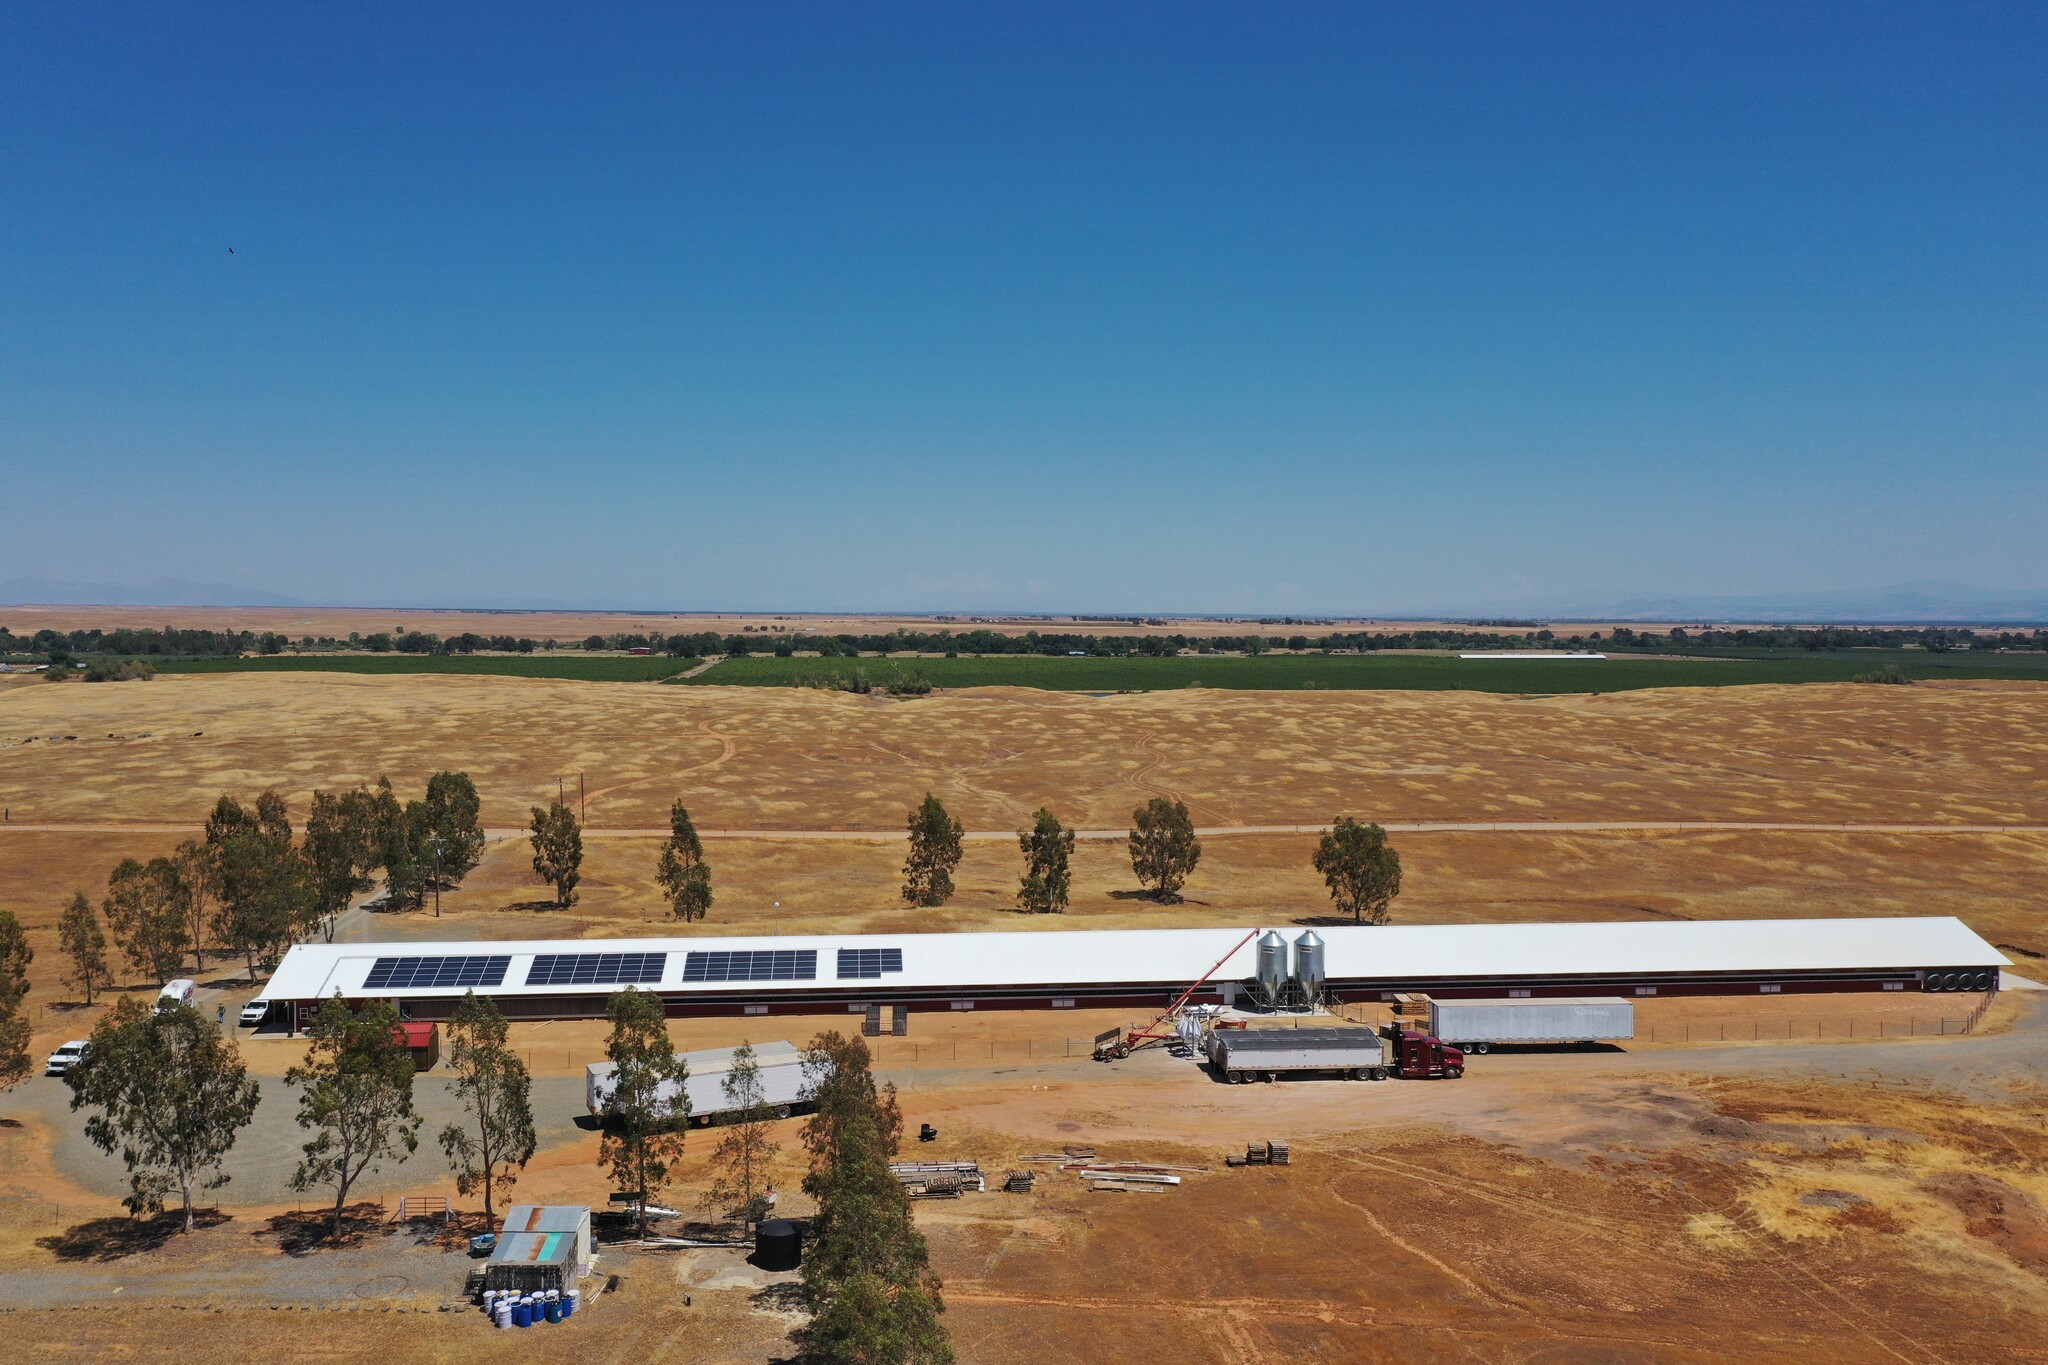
(540,1246)
(423,1041)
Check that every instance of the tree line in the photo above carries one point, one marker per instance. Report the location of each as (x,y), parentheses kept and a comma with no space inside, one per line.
(62,646)
(248,887)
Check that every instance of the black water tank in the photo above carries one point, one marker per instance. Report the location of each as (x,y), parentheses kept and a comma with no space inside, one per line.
(778,1245)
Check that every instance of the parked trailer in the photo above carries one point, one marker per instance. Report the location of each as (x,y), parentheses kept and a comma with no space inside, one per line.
(780,1068)
(1353,1053)
(1478,1024)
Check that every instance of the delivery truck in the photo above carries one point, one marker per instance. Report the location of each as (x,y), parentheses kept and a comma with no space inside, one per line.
(1359,1054)
(779,1066)
(1476,1025)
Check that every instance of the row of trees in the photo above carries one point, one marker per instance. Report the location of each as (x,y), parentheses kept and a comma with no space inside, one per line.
(1360,868)
(170,1094)
(250,888)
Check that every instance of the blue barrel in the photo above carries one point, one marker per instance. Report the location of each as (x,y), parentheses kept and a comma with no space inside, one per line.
(569,1304)
(554,1311)
(522,1314)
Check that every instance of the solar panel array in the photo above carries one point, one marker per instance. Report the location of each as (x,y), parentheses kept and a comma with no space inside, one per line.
(421,973)
(868,964)
(596,969)
(761,964)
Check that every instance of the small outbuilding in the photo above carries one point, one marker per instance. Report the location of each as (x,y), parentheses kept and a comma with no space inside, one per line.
(422,1039)
(540,1247)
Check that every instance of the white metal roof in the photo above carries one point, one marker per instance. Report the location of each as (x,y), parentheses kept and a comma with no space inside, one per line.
(1109,956)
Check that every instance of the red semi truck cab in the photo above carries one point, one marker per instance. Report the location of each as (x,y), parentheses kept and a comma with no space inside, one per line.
(1416,1056)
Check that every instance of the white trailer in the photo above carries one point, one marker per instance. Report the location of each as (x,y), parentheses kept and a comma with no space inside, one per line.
(780,1067)
(1476,1025)
(1265,1054)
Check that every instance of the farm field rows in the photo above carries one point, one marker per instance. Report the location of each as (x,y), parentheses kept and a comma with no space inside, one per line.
(1277,672)
(1345,672)
(562,664)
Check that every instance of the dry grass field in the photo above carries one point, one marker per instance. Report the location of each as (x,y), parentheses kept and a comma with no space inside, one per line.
(756,759)
(1824,1197)
(795,758)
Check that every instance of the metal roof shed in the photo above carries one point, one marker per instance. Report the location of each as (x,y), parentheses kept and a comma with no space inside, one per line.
(541,1246)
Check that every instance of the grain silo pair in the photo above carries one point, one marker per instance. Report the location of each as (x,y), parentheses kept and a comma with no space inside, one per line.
(1276,987)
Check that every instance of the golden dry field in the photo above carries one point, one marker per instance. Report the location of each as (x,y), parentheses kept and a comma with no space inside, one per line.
(74,755)
(1742,1182)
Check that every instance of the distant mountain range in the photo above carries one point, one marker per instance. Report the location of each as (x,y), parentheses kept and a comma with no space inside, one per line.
(1905,603)
(163,592)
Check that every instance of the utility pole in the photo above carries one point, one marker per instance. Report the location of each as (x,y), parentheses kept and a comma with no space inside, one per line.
(582,807)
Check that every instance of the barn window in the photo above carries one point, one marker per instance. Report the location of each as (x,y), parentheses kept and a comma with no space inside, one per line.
(1768,990)
(1518,995)
(1895,985)
(1646,990)
(1063,1002)
(754,1009)
(963,1004)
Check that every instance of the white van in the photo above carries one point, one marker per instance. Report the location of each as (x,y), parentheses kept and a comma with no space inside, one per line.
(179,992)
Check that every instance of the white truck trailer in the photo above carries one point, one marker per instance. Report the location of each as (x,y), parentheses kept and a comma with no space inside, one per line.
(780,1067)
(1358,1054)
(1476,1025)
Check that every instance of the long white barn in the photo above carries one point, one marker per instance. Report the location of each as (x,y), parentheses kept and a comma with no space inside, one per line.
(1053,969)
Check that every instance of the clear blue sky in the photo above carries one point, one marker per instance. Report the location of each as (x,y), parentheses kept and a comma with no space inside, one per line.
(1187,307)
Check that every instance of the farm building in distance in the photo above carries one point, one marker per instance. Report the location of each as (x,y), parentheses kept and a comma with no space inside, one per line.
(1140,968)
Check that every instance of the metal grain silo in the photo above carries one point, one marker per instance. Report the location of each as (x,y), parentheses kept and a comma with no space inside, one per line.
(1309,967)
(1272,967)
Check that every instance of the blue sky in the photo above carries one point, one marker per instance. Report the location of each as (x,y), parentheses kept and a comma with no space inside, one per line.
(1183,307)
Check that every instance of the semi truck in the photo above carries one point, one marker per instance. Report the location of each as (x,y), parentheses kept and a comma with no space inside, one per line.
(1476,1025)
(779,1067)
(1359,1054)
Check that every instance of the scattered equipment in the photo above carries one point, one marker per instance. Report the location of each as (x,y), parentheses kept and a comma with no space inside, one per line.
(871,1022)
(1111,1045)
(1019,1182)
(1476,1025)
(927,1133)
(899,1020)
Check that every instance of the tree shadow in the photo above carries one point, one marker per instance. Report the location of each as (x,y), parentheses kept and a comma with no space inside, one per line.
(454,1233)
(1329,921)
(546,907)
(304,1231)
(113,1239)
(787,1297)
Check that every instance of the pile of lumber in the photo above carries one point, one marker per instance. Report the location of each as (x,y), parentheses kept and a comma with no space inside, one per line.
(938,1179)
(1019,1182)
(1267,1154)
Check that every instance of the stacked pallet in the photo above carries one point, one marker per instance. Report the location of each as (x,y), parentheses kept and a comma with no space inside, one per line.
(1267,1154)
(1019,1182)
(938,1179)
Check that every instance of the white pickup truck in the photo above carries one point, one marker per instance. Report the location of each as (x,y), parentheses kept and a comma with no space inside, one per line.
(64,1058)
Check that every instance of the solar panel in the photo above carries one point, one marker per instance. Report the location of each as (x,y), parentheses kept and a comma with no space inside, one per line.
(425,973)
(596,969)
(759,964)
(868,964)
